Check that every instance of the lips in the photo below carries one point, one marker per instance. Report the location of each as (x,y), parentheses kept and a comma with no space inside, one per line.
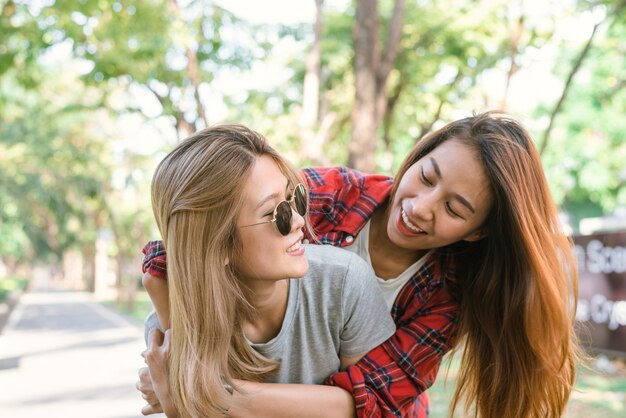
(296,248)
(410,224)
(406,227)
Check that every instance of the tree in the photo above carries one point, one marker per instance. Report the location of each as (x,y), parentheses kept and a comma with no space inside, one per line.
(445,50)
(169,51)
(585,157)
(371,70)
(51,167)
(314,127)
(615,10)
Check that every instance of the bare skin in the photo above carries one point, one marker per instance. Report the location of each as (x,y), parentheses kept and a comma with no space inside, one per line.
(388,260)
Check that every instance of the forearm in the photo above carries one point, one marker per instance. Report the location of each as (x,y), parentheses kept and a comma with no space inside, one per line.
(392,380)
(289,400)
(159,294)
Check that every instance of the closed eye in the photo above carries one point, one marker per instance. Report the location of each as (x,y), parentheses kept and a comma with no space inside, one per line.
(452,212)
(424,178)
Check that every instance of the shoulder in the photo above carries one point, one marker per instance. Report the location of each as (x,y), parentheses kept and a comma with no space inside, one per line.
(343,199)
(328,257)
(331,176)
(341,177)
(340,266)
(435,283)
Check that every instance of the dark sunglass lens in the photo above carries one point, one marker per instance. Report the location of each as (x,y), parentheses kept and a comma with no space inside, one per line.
(301,200)
(283,218)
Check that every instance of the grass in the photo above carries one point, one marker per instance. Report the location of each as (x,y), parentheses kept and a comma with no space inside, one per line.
(142,306)
(596,394)
(599,394)
(10,284)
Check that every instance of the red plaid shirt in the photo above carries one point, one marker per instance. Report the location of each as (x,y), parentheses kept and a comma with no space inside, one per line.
(391,379)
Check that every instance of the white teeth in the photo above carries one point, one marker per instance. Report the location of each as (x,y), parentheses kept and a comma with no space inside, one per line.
(294,247)
(408,223)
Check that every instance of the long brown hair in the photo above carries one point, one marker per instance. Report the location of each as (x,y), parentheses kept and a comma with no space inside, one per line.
(518,284)
(196,197)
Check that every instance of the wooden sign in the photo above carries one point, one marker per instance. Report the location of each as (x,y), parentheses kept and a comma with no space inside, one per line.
(601,309)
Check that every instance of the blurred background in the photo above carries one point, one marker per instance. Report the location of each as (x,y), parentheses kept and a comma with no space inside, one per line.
(93,93)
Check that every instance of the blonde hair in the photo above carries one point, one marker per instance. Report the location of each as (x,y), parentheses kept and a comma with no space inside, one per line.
(518,284)
(196,197)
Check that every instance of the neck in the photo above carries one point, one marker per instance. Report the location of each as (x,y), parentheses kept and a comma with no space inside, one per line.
(269,299)
(388,259)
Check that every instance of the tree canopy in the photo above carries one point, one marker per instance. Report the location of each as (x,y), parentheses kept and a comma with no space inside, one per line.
(93,92)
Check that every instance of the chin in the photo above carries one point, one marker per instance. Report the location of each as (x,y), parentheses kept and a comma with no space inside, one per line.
(300,270)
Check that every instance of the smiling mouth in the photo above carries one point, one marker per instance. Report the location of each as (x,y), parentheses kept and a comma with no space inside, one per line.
(294,247)
(411,226)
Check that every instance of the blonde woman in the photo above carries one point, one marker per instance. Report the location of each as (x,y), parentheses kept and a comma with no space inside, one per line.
(248,300)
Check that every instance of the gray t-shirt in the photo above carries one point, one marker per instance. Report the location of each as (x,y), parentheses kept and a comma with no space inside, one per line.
(335,309)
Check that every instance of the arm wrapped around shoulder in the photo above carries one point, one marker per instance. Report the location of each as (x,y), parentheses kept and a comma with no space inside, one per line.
(391,379)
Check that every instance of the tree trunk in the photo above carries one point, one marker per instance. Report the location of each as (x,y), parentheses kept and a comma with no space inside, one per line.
(363,143)
(89,268)
(311,142)
(73,270)
(387,121)
(183,128)
(371,71)
(132,267)
(101,260)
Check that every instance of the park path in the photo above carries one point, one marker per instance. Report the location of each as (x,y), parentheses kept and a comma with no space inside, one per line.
(63,355)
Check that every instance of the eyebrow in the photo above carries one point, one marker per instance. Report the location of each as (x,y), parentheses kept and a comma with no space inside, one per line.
(270,197)
(457,196)
(436,167)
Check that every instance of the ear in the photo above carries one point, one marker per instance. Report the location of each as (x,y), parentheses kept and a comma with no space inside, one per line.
(226,262)
(476,235)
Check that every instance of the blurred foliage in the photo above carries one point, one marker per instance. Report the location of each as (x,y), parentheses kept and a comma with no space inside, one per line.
(70,170)
(586,162)
(157,46)
(52,168)
(447,48)
(11,284)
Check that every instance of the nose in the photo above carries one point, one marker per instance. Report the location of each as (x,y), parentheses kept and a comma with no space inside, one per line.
(297,220)
(421,207)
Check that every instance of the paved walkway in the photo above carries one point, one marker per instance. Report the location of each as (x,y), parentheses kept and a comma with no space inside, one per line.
(62,355)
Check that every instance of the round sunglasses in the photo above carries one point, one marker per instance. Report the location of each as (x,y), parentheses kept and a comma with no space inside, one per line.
(283,216)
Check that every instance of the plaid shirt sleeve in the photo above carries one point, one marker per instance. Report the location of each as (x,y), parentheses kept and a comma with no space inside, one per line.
(342,200)
(155,259)
(390,380)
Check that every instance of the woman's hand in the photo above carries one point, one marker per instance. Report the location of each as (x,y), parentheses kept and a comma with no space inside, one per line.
(144,385)
(157,358)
